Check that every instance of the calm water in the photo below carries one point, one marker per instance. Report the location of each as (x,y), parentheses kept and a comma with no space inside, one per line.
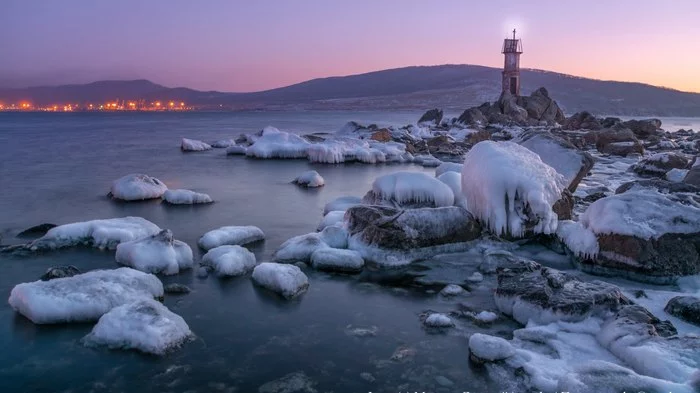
(57,168)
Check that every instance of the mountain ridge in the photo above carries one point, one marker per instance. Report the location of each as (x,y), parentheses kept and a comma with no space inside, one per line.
(450,86)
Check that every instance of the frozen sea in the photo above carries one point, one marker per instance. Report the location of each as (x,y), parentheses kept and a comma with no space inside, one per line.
(57,168)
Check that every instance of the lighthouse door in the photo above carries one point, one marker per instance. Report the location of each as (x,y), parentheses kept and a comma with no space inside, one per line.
(513,84)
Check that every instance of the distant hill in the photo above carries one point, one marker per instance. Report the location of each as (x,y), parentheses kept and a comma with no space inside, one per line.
(451,87)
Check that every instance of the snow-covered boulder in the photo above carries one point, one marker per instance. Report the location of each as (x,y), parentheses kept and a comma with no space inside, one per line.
(452,290)
(300,248)
(229,261)
(137,187)
(332,218)
(644,235)
(335,236)
(274,143)
(335,260)
(454,181)
(230,235)
(560,154)
(685,307)
(185,197)
(342,203)
(529,292)
(224,143)
(144,325)
(409,189)
(309,179)
(510,189)
(159,253)
(660,163)
(236,150)
(193,145)
(390,228)
(579,239)
(448,167)
(83,297)
(438,320)
(96,233)
(484,348)
(604,377)
(286,280)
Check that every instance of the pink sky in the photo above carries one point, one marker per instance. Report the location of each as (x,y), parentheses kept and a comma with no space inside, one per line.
(247,45)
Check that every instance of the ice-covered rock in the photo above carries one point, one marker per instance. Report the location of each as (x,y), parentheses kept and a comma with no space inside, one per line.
(286,280)
(676,175)
(229,261)
(300,248)
(486,316)
(193,145)
(448,167)
(660,163)
(309,179)
(236,150)
(510,189)
(159,253)
(176,288)
(579,239)
(452,290)
(560,154)
(96,233)
(438,320)
(296,382)
(409,189)
(274,143)
(529,292)
(390,228)
(644,235)
(604,377)
(83,297)
(137,187)
(59,272)
(185,197)
(230,235)
(224,143)
(342,203)
(335,260)
(335,236)
(144,325)
(686,308)
(331,218)
(454,181)
(485,348)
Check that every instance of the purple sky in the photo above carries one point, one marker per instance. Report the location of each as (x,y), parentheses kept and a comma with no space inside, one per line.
(245,45)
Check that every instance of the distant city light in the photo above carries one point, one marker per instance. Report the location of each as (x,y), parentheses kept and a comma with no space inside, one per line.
(111,105)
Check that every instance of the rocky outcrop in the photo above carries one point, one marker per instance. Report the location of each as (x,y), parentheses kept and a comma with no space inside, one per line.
(643,129)
(526,290)
(662,186)
(433,116)
(391,228)
(444,145)
(472,117)
(660,163)
(536,109)
(541,107)
(582,121)
(686,308)
(560,154)
(382,135)
(616,141)
(60,272)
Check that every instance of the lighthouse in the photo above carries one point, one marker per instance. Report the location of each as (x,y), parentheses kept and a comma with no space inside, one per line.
(512,48)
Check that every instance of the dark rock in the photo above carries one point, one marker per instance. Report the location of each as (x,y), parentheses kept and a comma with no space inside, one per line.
(686,308)
(554,292)
(60,272)
(476,137)
(558,153)
(36,231)
(564,207)
(313,138)
(510,108)
(609,122)
(176,288)
(639,293)
(540,107)
(444,145)
(383,135)
(392,228)
(617,141)
(472,116)
(432,116)
(582,121)
(662,186)
(639,315)
(594,197)
(660,163)
(643,128)
(693,176)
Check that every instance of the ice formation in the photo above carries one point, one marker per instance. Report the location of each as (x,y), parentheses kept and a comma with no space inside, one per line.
(413,187)
(490,348)
(342,203)
(144,325)
(83,297)
(274,143)
(193,145)
(229,260)
(300,248)
(486,316)
(97,233)
(332,218)
(454,181)
(137,187)
(310,179)
(644,213)
(335,236)
(438,320)
(448,167)
(159,253)
(236,150)
(231,235)
(503,181)
(286,280)
(185,197)
(452,290)
(676,175)
(336,260)
(223,143)
(579,239)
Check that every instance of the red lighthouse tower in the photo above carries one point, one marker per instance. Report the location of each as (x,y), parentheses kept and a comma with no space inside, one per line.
(512,48)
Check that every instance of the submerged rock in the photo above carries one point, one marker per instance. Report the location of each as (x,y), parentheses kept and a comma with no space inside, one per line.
(193,145)
(686,308)
(59,272)
(438,320)
(137,187)
(309,179)
(296,382)
(390,228)
(36,231)
(176,288)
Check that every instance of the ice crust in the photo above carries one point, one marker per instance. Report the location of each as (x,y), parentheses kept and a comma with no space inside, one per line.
(230,235)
